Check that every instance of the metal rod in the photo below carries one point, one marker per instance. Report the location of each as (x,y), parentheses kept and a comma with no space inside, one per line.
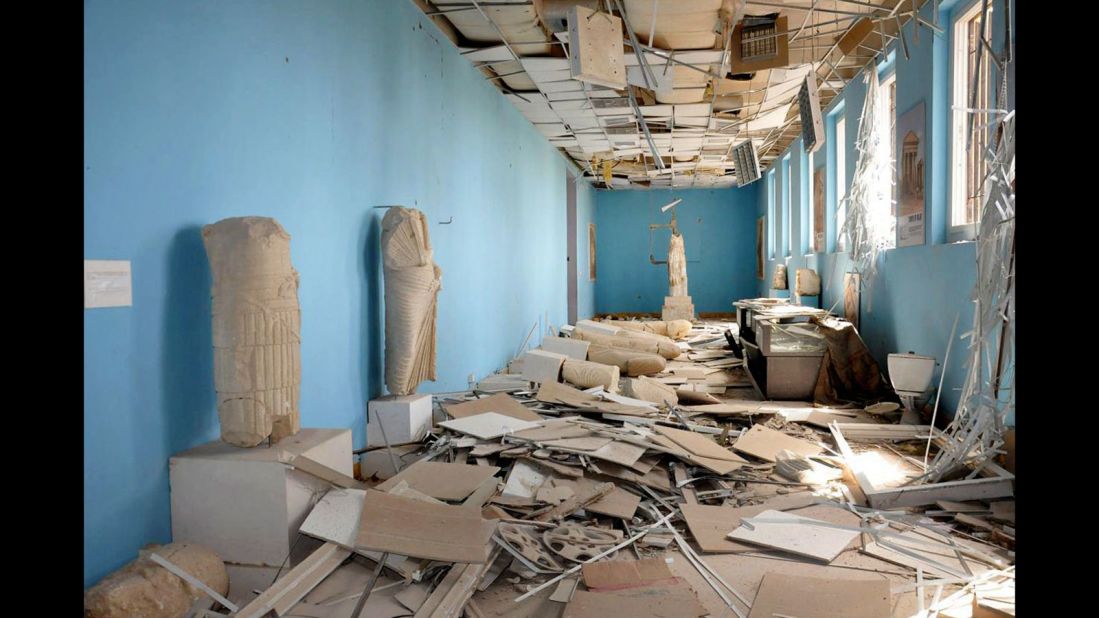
(802,8)
(657,160)
(388,448)
(644,531)
(973,94)
(935,411)
(360,605)
(646,71)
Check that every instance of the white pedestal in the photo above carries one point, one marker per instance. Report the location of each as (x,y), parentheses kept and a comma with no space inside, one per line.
(677,308)
(407,418)
(242,502)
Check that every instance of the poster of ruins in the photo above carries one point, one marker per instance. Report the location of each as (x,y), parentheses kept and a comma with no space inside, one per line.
(910,157)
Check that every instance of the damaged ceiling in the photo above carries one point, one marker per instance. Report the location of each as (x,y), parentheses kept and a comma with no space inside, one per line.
(677,120)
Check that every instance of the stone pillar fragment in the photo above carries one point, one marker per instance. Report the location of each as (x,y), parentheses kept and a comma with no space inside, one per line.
(256,329)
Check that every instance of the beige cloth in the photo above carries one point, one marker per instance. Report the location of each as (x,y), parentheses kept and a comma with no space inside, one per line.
(256,329)
(412,284)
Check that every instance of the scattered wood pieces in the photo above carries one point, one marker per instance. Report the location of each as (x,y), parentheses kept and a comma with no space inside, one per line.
(697,444)
(422,530)
(815,597)
(791,533)
(618,574)
(766,444)
(710,525)
(441,480)
(488,425)
(501,403)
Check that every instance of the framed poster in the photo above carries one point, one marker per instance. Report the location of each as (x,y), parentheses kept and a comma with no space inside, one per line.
(759,248)
(818,210)
(911,172)
(591,252)
(851,298)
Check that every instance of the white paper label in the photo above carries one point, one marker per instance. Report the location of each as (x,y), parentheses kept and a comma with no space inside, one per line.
(107,283)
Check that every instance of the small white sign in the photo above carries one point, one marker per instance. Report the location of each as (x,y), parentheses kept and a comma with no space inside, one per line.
(107,283)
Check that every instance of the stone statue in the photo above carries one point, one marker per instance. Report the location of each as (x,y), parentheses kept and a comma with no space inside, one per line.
(412,284)
(677,266)
(256,330)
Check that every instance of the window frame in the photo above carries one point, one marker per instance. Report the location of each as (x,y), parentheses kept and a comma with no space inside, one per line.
(770,214)
(810,222)
(888,86)
(788,204)
(959,98)
(840,179)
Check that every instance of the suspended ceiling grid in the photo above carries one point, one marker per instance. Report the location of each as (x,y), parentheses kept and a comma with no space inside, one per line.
(694,113)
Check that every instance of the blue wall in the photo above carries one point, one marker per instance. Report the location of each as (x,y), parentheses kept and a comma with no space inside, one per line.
(919,290)
(585,286)
(719,232)
(311,113)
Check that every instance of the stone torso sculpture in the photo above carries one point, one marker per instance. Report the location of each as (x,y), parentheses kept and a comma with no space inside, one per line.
(412,284)
(256,329)
(677,266)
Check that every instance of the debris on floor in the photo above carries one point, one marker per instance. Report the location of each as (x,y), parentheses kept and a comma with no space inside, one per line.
(555,499)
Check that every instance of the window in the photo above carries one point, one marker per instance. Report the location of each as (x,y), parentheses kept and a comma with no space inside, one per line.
(968,156)
(788,206)
(841,181)
(889,100)
(771,214)
(810,201)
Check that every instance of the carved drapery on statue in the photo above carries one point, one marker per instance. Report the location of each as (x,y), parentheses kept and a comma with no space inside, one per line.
(677,266)
(677,304)
(412,284)
(256,329)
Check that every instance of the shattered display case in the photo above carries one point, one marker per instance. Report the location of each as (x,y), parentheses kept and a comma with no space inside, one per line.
(776,338)
(785,353)
(746,310)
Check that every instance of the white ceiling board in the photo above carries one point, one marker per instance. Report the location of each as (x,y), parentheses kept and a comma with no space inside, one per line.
(795,534)
(486,54)
(682,24)
(551,129)
(545,64)
(570,105)
(540,77)
(681,95)
(567,96)
(528,98)
(693,109)
(488,425)
(768,120)
(635,77)
(539,116)
(566,86)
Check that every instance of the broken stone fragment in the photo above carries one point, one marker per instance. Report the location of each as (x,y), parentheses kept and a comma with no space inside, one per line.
(144,588)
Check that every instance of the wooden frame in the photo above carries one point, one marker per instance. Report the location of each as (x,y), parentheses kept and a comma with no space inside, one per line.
(997,483)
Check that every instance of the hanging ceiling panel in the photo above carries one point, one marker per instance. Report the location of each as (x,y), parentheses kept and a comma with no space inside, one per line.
(692,106)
